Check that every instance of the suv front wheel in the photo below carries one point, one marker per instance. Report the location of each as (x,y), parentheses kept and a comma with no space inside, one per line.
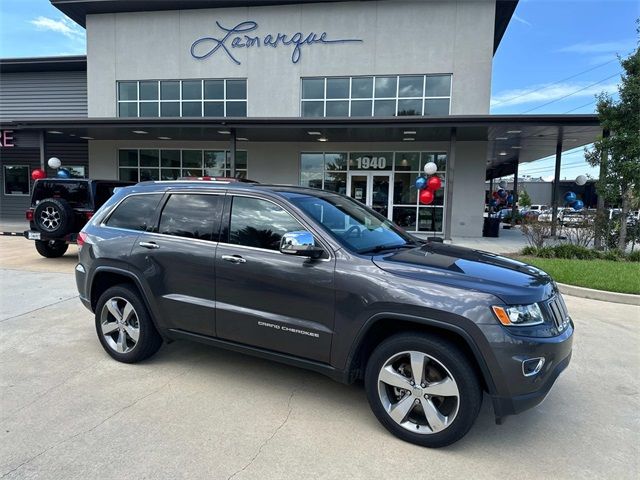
(124,325)
(422,389)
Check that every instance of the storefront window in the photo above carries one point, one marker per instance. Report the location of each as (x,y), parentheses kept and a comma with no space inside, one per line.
(16,180)
(331,171)
(139,165)
(183,98)
(386,96)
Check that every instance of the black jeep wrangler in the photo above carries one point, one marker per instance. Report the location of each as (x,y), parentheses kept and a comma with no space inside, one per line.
(59,209)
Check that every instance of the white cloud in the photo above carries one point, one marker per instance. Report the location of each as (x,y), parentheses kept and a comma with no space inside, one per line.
(541,93)
(518,18)
(621,47)
(64,26)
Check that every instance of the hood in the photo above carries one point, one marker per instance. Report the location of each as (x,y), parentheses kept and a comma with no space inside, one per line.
(514,282)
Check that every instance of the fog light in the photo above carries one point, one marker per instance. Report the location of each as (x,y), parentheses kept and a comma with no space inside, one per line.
(532,366)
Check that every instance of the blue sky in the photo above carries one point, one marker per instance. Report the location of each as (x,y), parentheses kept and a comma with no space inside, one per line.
(552,49)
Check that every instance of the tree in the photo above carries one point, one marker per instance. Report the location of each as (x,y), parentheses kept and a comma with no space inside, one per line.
(524,200)
(618,154)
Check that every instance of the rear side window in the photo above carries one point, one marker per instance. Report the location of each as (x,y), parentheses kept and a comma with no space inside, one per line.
(135,212)
(192,216)
(76,193)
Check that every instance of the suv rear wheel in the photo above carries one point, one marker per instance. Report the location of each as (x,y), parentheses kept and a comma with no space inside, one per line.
(53,216)
(124,325)
(422,389)
(51,248)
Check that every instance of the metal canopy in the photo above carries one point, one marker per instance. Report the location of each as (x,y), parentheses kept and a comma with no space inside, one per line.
(511,138)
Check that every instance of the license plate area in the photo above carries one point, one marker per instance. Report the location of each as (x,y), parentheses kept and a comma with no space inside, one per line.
(34,235)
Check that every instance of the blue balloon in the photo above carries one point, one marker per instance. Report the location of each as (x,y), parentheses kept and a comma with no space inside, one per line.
(577,205)
(510,199)
(63,173)
(421,183)
(502,193)
(570,197)
(493,202)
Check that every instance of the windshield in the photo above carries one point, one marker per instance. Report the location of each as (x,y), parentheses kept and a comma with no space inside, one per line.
(358,228)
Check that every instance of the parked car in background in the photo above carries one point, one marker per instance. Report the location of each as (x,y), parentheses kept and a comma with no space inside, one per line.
(535,209)
(315,279)
(60,207)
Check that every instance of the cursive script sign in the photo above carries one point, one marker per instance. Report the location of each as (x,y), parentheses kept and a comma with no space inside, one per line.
(238,37)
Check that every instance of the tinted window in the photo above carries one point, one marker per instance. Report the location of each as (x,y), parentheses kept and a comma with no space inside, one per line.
(259,223)
(135,212)
(76,193)
(103,193)
(192,216)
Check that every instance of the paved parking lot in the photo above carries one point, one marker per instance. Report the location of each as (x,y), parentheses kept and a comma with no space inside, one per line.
(68,411)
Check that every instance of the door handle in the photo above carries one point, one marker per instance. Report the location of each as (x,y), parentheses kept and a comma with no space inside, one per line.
(151,245)
(233,259)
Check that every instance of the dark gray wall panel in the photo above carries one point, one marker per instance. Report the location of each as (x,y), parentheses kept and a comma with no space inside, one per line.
(43,94)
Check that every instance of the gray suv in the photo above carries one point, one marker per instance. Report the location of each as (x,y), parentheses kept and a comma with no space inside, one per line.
(316,279)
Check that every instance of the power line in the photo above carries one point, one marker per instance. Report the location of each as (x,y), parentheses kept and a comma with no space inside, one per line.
(582,106)
(572,93)
(554,83)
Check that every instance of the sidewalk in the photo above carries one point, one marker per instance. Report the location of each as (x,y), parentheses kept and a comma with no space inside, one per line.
(18,226)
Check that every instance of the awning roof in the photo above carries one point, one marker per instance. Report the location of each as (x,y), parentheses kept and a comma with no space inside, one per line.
(512,138)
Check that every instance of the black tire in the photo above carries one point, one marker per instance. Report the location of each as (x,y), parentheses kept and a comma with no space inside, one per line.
(149,340)
(52,248)
(54,216)
(457,364)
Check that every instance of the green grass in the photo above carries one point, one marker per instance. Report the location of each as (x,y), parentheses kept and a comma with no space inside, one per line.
(622,277)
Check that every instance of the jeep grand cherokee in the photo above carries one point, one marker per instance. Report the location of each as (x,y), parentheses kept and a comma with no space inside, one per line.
(316,279)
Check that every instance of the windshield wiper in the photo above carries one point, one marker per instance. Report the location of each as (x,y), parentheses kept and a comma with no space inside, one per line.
(379,248)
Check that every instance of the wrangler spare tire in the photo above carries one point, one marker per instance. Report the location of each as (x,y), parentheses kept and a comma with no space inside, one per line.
(54,216)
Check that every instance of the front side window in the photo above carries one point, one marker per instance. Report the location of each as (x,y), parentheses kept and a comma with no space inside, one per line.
(259,223)
(383,96)
(359,229)
(16,180)
(192,216)
(135,212)
(183,98)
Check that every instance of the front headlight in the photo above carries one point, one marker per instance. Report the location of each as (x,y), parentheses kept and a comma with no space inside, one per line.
(519,315)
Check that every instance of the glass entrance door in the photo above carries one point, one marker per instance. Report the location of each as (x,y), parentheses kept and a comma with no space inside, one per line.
(373,189)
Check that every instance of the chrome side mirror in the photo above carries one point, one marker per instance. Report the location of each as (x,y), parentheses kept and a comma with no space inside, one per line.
(300,243)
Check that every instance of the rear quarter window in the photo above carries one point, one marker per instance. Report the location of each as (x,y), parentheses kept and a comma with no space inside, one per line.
(135,212)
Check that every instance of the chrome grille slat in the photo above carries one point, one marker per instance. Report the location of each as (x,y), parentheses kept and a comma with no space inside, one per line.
(559,312)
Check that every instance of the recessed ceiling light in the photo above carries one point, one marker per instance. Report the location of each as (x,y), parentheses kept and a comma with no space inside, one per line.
(87,138)
(164,138)
(140,132)
(517,147)
(514,131)
(502,154)
(408,139)
(55,132)
(323,139)
(314,133)
(72,134)
(409,132)
(242,139)
(224,132)
(502,138)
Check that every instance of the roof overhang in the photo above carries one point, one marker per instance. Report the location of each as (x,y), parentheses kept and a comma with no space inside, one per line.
(511,139)
(78,10)
(43,64)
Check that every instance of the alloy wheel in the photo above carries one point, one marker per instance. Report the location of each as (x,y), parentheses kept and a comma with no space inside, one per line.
(418,392)
(120,325)
(50,218)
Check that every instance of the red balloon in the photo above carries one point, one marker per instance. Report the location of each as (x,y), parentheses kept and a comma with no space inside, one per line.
(495,195)
(434,183)
(38,173)
(426,196)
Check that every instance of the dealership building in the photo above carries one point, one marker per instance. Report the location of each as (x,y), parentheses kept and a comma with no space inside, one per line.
(349,96)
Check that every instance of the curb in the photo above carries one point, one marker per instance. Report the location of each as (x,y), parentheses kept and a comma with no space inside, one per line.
(602,295)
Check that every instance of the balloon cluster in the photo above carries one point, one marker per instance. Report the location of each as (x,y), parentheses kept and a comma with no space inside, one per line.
(428,185)
(573,201)
(502,195)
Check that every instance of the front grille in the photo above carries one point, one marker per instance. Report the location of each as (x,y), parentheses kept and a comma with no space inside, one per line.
(559,312)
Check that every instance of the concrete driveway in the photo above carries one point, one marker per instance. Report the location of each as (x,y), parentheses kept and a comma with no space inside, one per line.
(69,411)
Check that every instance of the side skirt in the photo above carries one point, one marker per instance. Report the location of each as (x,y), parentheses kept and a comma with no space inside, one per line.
(323,368)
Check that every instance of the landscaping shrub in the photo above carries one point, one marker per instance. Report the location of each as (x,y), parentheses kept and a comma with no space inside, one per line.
(634,256)
(569,250)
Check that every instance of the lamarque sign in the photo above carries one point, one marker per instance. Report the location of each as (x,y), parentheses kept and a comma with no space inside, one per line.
(238,37)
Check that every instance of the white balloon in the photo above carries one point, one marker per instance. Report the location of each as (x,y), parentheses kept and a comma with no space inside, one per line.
(502,184)
(54,163)
(430,168)
(581,180)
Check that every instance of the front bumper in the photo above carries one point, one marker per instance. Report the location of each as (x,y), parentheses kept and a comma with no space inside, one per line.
(516,391)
